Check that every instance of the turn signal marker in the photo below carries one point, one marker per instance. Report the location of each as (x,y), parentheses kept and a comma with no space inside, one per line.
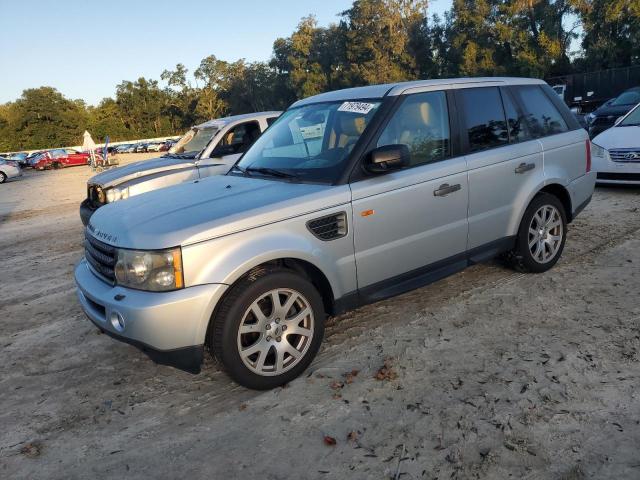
(366,213)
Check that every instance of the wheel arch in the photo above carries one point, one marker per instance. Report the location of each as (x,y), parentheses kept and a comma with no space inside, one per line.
(553,188)
(562,194)
(303,267)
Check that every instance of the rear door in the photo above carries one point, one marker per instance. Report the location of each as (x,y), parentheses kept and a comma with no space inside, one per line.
(564,150)
(504,162)
(411,222)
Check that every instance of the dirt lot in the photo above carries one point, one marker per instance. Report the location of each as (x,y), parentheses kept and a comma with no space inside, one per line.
(489,373)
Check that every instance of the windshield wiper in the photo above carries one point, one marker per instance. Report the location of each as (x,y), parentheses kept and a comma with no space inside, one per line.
(273,172)
(630,125)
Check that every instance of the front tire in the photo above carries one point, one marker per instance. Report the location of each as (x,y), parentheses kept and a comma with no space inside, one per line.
(541,236)
(3,177)
(268,328)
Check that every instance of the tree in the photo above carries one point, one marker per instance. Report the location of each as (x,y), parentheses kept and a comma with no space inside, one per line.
(378,40)
(43,117)
(611,33)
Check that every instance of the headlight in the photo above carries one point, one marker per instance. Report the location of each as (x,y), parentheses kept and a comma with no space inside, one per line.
(114,194)
(597,151)
(155,271)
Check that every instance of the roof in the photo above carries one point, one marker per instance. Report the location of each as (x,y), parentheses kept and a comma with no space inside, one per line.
(221,122)
(393,89)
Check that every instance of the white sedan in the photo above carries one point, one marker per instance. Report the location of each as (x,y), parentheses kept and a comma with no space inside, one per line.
(8,171)
(616,152)
(154,147)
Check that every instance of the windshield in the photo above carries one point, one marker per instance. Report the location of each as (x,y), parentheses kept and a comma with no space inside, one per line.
(310,143)
(631,120)
(193,141)
(627,98)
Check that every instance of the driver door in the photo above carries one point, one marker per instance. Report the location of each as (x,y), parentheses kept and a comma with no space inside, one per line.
(231,145)
(410,225)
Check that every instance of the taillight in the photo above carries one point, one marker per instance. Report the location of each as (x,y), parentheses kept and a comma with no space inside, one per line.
(588,156)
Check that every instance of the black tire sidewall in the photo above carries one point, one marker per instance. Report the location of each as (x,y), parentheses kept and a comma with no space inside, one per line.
(3,177)
(227,322)
(523,253)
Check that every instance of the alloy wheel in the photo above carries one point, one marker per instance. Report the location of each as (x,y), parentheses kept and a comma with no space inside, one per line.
(545,234)
(275,332)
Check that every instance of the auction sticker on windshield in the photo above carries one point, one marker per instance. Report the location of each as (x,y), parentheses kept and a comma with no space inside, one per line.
(356,107)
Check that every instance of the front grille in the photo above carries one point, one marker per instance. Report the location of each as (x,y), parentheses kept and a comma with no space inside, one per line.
(101,257)
(619,176)
(625,155)
(329,227)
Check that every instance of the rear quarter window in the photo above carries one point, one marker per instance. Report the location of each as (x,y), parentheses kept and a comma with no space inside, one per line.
(541,117)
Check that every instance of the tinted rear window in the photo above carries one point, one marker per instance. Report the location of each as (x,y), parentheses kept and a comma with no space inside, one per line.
(541,116)
(517,129)
(485,120)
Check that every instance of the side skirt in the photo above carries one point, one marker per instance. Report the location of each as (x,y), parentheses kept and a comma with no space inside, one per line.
(422,276)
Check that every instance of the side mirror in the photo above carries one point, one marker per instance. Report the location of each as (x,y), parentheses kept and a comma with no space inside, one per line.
(387,158)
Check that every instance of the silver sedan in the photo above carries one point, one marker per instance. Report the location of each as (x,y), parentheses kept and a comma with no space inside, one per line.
(8,171)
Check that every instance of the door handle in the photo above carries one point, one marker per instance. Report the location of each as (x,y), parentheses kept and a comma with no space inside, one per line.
(445,189)
(525,167)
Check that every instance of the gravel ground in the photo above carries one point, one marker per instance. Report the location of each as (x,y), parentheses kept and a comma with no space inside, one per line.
(487,374)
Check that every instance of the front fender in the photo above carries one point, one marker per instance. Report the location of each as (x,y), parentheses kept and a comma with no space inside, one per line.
(226,259)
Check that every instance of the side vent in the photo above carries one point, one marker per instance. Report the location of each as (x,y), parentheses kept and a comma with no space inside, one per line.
(329,227)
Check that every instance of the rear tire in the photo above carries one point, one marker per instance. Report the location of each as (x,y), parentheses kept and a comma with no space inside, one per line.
(541,236)
(268,328)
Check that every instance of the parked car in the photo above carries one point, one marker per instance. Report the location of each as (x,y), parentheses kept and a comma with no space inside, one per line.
(131,148)
(7,171)
(60,158)
(13,163)
(605,116)
(154,147)
(19,157)
(29,161)
(404,183)
(207,149)
(616,151)
(141,147)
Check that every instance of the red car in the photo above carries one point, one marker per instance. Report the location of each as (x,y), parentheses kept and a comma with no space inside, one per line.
(60,158)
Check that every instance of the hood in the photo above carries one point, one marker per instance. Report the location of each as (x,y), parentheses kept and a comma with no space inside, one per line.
(216,206)
(615,111)
(116,176)
(619,137)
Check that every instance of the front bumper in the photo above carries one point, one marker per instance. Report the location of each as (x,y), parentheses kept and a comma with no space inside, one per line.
(169,326)
(86,210)
(616,172)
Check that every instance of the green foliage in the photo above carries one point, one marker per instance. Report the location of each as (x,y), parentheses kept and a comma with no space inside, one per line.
(374,41)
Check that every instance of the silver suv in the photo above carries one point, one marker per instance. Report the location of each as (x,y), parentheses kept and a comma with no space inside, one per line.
(207,149)
(350,197)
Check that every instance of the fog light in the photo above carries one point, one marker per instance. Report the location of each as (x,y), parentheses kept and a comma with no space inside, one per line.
(117,321)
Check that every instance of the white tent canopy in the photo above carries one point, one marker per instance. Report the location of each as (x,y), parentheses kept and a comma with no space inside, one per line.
(88,145)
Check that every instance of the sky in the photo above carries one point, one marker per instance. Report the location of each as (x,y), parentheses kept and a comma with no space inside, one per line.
(85,48)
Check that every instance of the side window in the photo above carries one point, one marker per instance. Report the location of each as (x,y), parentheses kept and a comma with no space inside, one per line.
(541,116)
(422,124)
(238,139)
(270,120)
(517,128)
(484,118)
